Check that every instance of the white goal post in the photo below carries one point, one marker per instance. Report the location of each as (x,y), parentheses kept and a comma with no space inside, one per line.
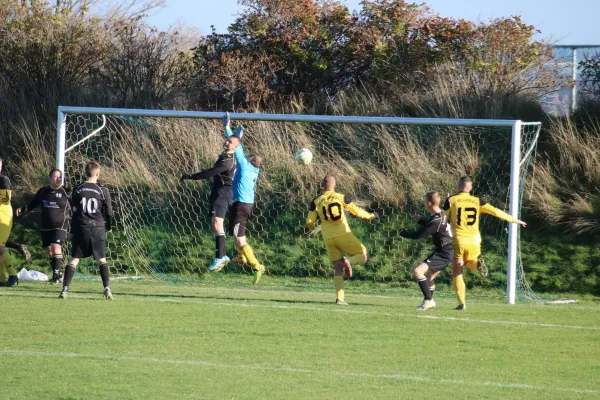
(519,151)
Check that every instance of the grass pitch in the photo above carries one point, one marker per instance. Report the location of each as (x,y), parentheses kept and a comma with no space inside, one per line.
(158,340)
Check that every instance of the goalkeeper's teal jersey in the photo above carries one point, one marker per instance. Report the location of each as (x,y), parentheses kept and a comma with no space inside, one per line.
(245,177)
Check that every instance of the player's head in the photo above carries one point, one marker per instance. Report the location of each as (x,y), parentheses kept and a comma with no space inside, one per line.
(92,170)
(231,143)
(432,200)
(328,183)
(465,184)
(55,178)
(255,160)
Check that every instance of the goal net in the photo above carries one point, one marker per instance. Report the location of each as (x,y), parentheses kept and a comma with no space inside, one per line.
(162,228)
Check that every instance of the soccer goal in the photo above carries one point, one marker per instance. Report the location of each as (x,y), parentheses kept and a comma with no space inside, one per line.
(386,164)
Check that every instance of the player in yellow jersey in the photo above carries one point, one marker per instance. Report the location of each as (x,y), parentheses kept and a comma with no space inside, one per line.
(6,221)
(329,207)
(464,212)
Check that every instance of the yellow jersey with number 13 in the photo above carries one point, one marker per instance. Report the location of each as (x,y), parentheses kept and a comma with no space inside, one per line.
(329,207)
(464,212)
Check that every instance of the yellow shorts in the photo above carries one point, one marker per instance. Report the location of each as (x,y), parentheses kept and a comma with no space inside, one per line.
(346,243)
(466,252)
(6,221)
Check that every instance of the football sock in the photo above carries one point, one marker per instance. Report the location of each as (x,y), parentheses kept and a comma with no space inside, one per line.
(460,289)
(7,262)
(69,272)
(432,289)
(220,245)
(56,265)
(104,274)
(472,265)
(424,285)
(247,252)
(339,287)
(241,255)
(358,259)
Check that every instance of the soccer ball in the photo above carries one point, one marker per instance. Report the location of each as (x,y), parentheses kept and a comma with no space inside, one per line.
(304,156)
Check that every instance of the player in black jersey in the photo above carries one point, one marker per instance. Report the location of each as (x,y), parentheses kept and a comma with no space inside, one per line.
(56,213)
(220,196)
(438,226)
(92,218)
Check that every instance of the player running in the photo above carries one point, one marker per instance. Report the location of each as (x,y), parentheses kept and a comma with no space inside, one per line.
(244,186)
(464,212)
(56,213)
(438,227)
(329,207)
(92,219)
(220,196)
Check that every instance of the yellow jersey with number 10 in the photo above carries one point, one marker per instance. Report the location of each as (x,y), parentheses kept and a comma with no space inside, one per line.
(329,207)
(464,212)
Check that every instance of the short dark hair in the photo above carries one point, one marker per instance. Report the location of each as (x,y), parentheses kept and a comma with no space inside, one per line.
(464,180)
(90,168)
(53,170)
(433,198)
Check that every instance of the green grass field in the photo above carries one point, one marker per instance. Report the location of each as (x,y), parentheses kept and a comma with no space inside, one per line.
(216,340)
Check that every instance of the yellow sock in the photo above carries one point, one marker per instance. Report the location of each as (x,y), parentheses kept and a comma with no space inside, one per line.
(358,259)
(472,265)
(339,287)
(242,256)
(247,252)
(7,262)
(459,284)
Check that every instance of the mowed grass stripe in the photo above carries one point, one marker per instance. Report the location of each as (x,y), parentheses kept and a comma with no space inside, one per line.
(516,385)
(333,309)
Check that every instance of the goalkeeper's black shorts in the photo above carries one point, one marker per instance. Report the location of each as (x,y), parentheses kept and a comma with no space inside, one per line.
(219,201)
(238,218)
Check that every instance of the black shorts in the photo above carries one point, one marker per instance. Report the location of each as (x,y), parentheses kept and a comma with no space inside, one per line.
(88,241)
(240,212)
(438,260)
(53,236)
(219,203)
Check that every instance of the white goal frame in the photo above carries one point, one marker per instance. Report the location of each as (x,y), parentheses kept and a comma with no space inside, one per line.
(515,125)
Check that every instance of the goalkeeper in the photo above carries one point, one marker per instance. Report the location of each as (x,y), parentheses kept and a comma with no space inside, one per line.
(244,186)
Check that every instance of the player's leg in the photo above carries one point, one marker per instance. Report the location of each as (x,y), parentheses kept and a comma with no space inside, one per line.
(99,252)
(475,262)
(81,247)
(335,256)
(234,230)
(69,273)
(21,248)
(53,241)
(357,253)
(238,220)
(431,279)
(7,267)
(420,273)
(219,210)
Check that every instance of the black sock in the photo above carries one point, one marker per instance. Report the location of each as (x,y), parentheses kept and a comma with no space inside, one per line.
(104,274)
(56,265)
(432,289)
(220,245)
(424,285)
(69,272)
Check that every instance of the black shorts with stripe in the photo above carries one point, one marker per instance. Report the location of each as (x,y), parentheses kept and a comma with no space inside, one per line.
(438,260)
(53,236)
(238,218)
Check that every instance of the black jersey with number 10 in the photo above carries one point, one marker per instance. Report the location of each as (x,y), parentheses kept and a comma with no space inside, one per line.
(91,206)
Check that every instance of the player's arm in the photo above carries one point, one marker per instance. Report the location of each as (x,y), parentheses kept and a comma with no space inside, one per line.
(107,210)
(32,205)
(311,219)
(357,211)
(446,206)
(486,208)
(221,166)
(227,126)
(424,230)
(240,156)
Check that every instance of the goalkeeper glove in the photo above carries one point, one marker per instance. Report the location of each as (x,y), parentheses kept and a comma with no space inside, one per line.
(239,132)
(226,120)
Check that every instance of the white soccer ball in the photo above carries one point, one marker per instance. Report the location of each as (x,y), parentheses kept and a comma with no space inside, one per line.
(304,156)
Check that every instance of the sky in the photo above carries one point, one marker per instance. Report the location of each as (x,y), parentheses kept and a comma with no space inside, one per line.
(563,22)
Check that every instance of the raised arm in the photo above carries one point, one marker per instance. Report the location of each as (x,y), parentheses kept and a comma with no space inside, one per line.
(486,208)
(240,157)
(357,211)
